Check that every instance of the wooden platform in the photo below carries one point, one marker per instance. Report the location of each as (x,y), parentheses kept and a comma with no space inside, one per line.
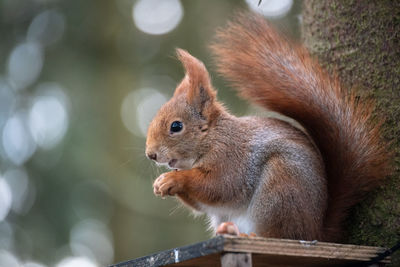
(238,251)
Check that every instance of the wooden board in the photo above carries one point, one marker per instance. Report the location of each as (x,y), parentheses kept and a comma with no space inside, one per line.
(264,252)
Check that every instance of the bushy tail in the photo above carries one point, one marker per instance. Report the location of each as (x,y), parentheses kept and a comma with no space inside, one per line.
(270,71)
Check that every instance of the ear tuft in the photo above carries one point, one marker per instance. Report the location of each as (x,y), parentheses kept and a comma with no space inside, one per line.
(194,68)
(199,91)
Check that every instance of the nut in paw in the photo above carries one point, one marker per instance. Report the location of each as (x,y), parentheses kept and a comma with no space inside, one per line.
(166,185)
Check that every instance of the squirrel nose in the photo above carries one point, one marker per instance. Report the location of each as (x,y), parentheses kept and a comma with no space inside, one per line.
(152,156)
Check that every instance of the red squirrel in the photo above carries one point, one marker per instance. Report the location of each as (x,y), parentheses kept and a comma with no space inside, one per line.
(258,174)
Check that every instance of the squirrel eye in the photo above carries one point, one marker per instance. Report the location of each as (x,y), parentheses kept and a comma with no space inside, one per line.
(176,126)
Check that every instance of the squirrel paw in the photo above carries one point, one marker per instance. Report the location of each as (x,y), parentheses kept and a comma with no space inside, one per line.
(227,228)
(166,185)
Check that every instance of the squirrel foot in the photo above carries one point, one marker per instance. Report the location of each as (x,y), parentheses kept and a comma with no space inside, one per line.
(228,228)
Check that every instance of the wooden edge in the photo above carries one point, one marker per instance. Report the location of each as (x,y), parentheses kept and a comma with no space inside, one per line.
(258,245)
(310,249)
(208,247)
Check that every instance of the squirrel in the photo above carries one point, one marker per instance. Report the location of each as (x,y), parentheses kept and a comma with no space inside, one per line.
(261,175)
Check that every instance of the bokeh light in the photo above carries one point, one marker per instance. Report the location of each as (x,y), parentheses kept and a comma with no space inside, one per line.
(17,141)
(8,259)
(48,117)
(7,100)
(157,17)
(138,109)
(46,28)
(25,64)
(92,239)
(33,264)
(76,261)
(23,190)
(271,8)
(5,199)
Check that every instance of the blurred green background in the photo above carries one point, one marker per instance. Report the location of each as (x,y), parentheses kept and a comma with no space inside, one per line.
(79,83)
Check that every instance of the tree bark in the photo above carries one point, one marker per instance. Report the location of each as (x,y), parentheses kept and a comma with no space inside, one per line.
(359,40)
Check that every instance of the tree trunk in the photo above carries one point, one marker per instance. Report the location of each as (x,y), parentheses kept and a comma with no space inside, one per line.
(360,41)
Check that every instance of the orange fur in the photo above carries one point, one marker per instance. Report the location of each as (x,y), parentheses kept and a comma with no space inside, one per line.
(263,173)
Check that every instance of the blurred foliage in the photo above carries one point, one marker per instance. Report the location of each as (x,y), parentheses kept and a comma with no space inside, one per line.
(91,195)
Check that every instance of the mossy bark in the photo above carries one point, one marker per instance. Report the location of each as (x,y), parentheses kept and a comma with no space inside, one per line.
(359,40)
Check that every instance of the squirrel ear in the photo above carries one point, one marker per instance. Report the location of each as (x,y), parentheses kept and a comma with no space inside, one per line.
(199,92)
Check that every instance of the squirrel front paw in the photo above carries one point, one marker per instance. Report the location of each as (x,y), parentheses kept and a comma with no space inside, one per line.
(167,185)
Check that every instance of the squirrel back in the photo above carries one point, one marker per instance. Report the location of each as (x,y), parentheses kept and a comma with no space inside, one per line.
(268,70)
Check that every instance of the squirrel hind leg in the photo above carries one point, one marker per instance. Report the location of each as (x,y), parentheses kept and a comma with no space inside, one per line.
(230,228)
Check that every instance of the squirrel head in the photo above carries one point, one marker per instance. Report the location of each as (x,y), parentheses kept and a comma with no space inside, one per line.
(177,136)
